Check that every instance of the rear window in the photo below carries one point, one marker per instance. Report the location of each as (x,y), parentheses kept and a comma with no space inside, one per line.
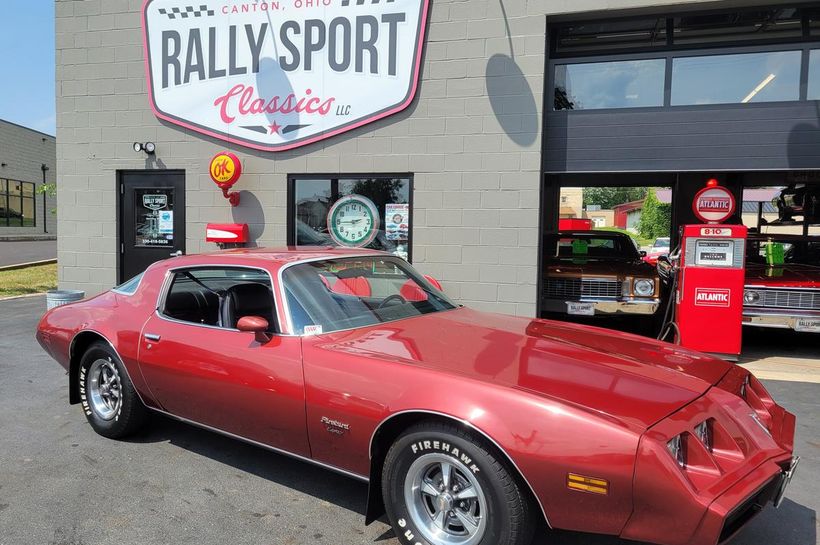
(129,287)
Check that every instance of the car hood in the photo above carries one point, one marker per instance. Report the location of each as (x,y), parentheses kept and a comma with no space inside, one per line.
(595,267)
(789,275)
(636,380)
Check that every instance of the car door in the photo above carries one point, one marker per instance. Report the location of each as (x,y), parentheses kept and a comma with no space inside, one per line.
(199,367)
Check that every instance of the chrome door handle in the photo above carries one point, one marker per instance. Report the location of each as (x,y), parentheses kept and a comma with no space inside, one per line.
(151,337)
(178,253)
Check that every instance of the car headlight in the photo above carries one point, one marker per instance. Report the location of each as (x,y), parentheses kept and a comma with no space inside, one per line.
(677,449)
(751,297)
(644,287)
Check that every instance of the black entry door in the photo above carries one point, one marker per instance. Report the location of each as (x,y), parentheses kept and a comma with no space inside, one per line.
(151,218)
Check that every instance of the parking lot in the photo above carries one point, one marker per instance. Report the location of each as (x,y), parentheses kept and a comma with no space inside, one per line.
(61,483)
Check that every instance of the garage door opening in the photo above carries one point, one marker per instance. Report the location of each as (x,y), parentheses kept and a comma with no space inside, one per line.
(598,263)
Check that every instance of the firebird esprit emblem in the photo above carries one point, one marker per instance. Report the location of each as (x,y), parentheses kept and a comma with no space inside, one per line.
(334,426)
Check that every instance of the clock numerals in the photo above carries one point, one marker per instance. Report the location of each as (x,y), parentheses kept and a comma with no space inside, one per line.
(353,221)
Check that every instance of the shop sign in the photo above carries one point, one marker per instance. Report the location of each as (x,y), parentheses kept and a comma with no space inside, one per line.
(714,204)
(713,297)
(225,169)
(155,202)
(276,75)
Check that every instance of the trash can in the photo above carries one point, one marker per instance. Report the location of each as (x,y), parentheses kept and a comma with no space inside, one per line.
(56,298)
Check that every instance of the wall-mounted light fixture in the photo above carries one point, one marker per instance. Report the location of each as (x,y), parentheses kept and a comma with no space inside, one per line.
(148,147)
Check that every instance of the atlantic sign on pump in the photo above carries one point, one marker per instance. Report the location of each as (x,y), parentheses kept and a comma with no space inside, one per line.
(277,75)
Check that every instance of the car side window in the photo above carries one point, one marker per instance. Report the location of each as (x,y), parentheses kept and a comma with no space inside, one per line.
(219,297)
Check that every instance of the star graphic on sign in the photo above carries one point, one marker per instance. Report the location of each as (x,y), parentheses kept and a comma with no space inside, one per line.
(274,127)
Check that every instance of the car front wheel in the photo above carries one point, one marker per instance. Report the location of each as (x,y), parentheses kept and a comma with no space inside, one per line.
(109,400)
(445,486)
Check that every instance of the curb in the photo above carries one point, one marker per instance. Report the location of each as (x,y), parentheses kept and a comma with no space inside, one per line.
(39,294)
(27,238)
(29,264)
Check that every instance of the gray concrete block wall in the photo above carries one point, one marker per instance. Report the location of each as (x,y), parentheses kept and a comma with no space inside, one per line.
(472,139)
(23,151)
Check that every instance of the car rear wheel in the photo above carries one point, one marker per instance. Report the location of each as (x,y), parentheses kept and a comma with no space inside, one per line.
(109,400)
(444,486)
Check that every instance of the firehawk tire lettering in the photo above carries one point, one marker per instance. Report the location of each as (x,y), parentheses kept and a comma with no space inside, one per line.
(445,447)
(506,516)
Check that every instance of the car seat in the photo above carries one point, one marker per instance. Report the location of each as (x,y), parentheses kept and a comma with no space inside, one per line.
(250,299)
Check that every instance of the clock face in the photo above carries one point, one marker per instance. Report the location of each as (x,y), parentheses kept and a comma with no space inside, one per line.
(353,221)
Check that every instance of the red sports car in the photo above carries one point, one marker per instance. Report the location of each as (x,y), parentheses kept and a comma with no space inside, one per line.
(471,428)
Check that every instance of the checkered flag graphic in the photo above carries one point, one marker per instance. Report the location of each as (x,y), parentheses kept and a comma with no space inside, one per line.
(188,11)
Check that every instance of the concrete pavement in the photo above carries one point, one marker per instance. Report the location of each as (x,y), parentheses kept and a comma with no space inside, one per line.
(781,354)
(14,252)
(61,483)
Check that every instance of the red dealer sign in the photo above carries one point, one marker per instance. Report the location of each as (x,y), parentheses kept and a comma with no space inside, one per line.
(713,204)
(276,75)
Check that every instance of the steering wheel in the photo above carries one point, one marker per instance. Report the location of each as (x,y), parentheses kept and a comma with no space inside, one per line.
(393,297)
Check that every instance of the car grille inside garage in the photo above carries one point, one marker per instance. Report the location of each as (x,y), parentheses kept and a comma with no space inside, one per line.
(575,288)
(796,299)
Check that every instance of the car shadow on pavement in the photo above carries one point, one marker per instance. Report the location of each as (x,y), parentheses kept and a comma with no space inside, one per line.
(303,477)
(792,524)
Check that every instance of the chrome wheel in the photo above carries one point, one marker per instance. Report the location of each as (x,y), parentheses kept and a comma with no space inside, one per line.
(104,389)
(445,501)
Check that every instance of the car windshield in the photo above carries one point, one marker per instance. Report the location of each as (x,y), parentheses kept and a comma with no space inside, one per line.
(661,243)
(334,294)
(564,246)
(776,252)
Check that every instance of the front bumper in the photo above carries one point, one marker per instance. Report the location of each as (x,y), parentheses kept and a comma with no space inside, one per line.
(783,319)
(605,307)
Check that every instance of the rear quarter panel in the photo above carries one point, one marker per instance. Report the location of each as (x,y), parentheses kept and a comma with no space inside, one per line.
(544,437)
(115,317)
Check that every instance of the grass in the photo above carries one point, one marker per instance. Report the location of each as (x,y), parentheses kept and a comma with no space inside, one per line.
(36,279)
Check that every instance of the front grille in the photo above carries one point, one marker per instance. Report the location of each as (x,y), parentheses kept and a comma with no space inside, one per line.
(576,288)
(793,299)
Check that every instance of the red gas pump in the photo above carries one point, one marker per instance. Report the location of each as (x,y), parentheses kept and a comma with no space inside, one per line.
(709,294)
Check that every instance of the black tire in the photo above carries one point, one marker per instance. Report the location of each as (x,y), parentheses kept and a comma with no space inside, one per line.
(123,417)
(509,518)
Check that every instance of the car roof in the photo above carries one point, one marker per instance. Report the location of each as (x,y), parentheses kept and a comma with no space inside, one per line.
(268,256)
(589,233)
(784,237)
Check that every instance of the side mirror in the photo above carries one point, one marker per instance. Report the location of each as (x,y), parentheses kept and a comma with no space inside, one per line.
(255,324)
(665,268)
(642,253)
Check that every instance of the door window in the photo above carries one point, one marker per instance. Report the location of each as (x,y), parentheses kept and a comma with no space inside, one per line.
(219,297)
(154,209)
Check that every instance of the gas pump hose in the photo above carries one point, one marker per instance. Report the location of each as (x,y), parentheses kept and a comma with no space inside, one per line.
(669,324)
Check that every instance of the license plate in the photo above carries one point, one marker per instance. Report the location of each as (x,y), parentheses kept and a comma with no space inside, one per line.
(580,309)
(811,325)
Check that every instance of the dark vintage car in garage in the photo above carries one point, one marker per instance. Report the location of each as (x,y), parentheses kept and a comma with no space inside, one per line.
(597,273)
(471,428)
(782,282)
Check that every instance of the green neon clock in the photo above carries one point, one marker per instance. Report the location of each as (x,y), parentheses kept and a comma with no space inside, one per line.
(353,221)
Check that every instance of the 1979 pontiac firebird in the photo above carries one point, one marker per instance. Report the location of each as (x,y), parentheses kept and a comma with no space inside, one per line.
(471,428)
